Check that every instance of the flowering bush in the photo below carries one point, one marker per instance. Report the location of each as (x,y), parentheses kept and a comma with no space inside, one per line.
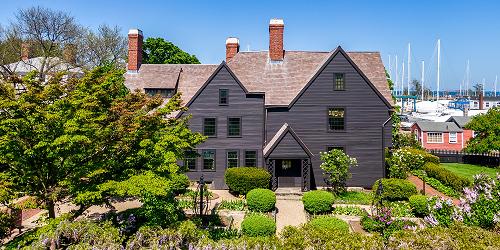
(383,222)
(442,212)
(336,165)
(480,205)
(405,159)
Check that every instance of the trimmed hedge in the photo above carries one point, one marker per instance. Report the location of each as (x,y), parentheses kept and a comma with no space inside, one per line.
(447,177)
(329,223)
(318,201)
(258,225)
(419,205)
(261,200)
(395,189)
(243,179)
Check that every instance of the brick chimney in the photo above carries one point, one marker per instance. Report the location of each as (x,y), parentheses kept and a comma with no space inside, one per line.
(232,47)
(69,53)
(481,100)
(25,51)
(276,51)
(134,50)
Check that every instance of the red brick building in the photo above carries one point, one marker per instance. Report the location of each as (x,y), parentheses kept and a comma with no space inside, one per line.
(439,135)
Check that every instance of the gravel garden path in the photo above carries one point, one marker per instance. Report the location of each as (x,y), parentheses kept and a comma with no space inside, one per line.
(290,211)
(430,190)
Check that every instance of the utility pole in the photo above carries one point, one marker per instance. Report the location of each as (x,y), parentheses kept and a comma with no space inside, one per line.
(409,68)
(423,78)
(438,65)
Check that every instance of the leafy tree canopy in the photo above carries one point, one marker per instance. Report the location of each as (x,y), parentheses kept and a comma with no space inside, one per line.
(487,129)
(159,51)
(90,139)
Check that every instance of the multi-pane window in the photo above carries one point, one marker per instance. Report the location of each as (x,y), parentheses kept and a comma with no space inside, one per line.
(190,160)
(250,158)
(453,137)
(330,148)
(232,159)
(234,126)
(434,137)
(336,119)
(208,159)
(339,83)
(163,92)
(210,127)
(223,96)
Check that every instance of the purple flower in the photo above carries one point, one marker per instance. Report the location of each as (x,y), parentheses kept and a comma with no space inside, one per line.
(470,195)
(431,220)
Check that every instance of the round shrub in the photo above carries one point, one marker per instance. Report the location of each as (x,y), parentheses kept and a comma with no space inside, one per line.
(329,223)
(243,179)
(418,204)
(318,201)
(395,189)
(258,225)
(261,200)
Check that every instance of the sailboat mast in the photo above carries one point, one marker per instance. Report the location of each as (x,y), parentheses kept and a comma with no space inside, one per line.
(438,67)
(397,75)
(482,85)
(423,78)
(468,79)
(496,79)
(403,79)
(409,68)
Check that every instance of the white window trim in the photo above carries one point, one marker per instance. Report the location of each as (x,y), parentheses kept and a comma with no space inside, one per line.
(434,133)
(456,137)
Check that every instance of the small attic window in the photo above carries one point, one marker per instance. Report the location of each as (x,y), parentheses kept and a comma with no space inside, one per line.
(163,92)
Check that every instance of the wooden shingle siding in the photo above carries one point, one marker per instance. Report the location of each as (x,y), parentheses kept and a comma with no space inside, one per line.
(365,113)
(249,107)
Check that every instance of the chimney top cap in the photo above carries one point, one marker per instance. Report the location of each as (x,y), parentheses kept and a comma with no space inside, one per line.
(135,32)
(231,40)
(277,21)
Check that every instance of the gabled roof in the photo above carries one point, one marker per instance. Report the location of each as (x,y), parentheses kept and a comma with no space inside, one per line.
(461,121)
(281,82)
(438,126)
(282,132)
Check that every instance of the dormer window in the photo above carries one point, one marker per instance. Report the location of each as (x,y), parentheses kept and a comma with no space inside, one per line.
(163,92)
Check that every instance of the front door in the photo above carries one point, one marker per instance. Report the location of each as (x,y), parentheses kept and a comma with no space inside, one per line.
(289,172)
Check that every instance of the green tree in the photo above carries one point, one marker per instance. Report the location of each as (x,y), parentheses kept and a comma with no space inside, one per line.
(487,130)
(336,166)
(159,51)
(90,139)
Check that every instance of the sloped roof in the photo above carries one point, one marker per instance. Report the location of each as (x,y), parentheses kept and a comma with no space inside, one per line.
(461,121)
(55,63)
(438,126)
(271,145)
(281,82)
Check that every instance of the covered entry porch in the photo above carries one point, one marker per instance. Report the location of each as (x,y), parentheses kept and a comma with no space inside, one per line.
(288,160)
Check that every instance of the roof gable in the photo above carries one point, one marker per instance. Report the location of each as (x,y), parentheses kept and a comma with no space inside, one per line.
(461,121)
(438,126)
(285,132)
(358,70)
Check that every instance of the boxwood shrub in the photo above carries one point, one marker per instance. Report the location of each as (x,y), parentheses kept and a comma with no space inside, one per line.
(318,201)
(395,189)
(258,225)
(446,177)
(419,205)
(261,200)
(329,223)
(243,179)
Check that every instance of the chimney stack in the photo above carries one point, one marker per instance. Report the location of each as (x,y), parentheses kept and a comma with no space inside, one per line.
(276,27)
(69,53)
(481,100)
(25,51)
(134,50)
(232,47)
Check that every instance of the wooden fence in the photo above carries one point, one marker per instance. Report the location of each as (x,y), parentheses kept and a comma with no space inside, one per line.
(486,159)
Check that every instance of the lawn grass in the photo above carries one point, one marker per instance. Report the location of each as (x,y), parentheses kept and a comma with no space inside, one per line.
(469,170)
(354,197)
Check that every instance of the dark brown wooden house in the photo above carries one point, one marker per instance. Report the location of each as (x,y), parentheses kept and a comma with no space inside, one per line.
(278,109)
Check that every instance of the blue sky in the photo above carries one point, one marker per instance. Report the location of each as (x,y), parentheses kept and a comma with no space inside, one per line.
(467,29)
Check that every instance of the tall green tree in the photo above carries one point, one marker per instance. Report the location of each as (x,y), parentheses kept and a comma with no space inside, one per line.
(90,139)
(160,51)
(487,130)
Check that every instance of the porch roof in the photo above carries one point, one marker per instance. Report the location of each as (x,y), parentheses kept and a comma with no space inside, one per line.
(296,147)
